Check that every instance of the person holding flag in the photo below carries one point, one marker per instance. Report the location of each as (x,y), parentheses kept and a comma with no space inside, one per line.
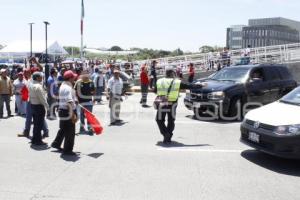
(85,90)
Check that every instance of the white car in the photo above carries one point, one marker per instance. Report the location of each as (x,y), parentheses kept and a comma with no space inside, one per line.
(275,128)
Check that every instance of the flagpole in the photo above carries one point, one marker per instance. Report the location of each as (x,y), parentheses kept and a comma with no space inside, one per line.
(81,29)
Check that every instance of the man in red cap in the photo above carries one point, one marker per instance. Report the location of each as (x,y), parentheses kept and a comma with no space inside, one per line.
(144,85)
(19,84)
(67,114)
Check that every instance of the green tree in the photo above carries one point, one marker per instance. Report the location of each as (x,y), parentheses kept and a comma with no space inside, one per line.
(116,48)
(206,49)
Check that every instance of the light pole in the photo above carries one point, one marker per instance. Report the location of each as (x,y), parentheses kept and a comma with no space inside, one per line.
(30,24)
(47,71)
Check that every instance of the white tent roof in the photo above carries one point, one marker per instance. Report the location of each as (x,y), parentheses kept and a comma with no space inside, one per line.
(22,48)
(96,51)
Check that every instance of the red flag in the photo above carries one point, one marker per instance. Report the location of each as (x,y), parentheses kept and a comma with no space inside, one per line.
(93,121)
(25,93)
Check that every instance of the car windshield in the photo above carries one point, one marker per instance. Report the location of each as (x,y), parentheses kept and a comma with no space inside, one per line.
(231,74)
(292,97)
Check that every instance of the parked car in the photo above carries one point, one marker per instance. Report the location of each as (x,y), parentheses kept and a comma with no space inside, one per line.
(233,88)
(275,128)
(127,81)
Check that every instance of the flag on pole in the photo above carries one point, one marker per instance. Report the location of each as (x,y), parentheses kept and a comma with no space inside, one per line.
(82,16)
(93,121)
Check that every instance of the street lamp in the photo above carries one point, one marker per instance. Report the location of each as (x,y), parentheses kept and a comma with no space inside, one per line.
(30,24)
(47,71)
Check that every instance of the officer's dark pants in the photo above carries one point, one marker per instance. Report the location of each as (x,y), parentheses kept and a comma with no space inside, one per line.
(38,114)
(66,132)
(162,113)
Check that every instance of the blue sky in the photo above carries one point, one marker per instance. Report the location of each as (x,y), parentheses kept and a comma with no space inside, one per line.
(159,24)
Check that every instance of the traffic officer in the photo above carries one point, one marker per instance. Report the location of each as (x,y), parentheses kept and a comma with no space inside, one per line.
(67,114)
(170,87)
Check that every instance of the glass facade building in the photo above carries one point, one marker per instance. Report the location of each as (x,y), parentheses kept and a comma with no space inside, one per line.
(264,32)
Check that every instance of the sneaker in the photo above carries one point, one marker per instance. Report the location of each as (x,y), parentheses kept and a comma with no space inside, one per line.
(41,143)
(24,134)
(113,123)
(82,130)
(90,132)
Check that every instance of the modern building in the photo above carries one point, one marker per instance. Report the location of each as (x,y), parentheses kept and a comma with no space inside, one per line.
(264,32)
(235,37)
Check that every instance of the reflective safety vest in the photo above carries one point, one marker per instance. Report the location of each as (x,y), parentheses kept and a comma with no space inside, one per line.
(164,84)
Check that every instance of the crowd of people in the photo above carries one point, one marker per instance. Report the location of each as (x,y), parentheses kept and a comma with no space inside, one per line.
(67,93)
(71,91)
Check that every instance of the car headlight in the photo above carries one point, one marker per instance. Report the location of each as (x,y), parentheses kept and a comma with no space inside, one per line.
(216,95)
(290,130)
(188,93)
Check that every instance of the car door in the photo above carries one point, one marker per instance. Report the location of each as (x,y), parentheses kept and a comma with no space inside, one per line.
(275,83)
(258,91)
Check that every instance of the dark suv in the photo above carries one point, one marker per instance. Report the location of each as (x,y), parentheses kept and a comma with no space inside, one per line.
(234,88)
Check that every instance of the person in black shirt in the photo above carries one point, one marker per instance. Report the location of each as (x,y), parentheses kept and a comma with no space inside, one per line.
(153,75)
(85,90)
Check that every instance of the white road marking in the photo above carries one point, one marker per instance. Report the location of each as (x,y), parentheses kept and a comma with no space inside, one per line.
(200,150)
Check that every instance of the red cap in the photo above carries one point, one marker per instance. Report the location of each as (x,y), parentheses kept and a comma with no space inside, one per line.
(20,74)
(34,69)
(69,74)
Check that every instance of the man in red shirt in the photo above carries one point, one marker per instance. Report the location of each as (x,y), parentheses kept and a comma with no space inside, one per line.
(191,72)
(144,85)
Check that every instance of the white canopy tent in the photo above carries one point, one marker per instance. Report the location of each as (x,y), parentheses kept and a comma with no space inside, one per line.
(111,53)
(21,48)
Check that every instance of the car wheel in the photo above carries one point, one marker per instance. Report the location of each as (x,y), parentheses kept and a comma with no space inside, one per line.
(236,109)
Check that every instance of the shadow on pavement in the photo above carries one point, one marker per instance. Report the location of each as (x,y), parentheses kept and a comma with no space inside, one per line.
(275,164)
(118,124)
(95,155)
(40,148)
(69,158)
(215,121)
(174,144)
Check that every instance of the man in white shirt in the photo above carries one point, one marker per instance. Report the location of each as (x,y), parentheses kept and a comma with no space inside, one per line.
(19,84)
(99,83)
(115,91)
(67,114)
(39,105)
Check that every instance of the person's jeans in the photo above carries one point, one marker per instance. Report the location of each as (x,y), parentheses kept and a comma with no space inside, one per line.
(52,106)
(38,114)
(5,98)
(20,105)
(144,90)
(99,93)
(89,107)
(115,109)
(29,120)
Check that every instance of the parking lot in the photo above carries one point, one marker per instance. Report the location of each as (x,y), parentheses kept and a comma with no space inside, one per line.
(206,161)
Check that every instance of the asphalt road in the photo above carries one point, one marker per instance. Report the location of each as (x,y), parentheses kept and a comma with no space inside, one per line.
(208,162)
